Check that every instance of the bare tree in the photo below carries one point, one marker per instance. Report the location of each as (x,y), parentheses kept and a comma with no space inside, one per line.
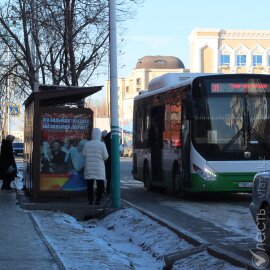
(55,42)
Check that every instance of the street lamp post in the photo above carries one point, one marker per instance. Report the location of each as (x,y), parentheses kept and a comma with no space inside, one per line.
(122,117)
(116,198)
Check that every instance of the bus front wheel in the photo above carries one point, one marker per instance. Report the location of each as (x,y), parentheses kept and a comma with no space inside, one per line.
(147,178)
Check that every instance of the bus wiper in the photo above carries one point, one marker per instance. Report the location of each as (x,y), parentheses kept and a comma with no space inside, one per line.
(252,132)
(237,135)
(247,131)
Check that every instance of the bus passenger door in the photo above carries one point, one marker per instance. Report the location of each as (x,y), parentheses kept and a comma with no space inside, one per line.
(185,138)
(156,142)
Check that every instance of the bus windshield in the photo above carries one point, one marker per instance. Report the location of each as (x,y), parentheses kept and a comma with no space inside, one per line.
(228,124)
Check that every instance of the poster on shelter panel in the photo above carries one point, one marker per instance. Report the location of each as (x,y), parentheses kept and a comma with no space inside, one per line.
(63,136)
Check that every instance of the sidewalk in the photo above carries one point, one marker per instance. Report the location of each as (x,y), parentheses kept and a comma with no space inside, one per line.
(21,247)
(125,239)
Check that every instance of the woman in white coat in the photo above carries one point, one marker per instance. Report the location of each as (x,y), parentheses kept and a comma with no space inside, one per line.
(95,154)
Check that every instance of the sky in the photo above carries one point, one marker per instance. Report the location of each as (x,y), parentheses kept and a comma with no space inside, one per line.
(163,27)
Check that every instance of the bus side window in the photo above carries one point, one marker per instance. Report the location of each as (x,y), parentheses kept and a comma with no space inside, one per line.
(146,123)
(139,126)
(167,128)
(174,100)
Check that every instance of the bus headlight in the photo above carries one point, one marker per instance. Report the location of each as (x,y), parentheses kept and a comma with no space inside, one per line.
(205,173)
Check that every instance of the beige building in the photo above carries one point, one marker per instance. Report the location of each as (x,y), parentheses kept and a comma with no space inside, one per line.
(147,68)
(211,51)
(229,51)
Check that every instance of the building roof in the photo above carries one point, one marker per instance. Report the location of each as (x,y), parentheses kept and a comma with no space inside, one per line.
(230,33)
(159,62)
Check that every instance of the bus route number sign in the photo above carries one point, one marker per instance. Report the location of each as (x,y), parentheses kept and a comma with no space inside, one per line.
(239,87)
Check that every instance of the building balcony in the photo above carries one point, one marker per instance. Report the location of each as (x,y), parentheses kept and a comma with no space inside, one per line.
(258,66)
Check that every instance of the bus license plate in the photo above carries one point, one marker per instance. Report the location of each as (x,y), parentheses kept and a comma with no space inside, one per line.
(245,184)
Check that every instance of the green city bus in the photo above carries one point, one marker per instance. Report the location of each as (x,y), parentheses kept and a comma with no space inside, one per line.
(202,132)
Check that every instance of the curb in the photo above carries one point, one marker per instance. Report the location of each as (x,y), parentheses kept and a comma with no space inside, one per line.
(171,258)
(78,210)
(197,241)
(55,256)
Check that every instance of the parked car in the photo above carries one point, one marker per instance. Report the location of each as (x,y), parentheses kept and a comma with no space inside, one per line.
(18,148)
(128,151)
(260,206)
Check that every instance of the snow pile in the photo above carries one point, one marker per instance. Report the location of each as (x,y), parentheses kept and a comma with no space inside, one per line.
(141,231)
(126,239)
(76,247)
(17,183)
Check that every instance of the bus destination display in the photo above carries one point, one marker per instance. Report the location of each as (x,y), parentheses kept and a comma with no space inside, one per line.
(240,87)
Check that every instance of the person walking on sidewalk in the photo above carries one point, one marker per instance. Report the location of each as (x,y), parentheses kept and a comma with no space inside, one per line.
(8,168)
(95,154)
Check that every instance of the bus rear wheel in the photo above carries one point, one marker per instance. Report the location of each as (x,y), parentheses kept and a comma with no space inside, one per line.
(178,183)
(147,178)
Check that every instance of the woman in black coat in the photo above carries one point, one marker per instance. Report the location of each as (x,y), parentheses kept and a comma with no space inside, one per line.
(7,162)
(107,141)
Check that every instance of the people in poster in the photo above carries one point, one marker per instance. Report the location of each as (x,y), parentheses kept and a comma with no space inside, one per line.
(76,163)
(46,158)
(58,158)
(61,162)
(76,158)
(66,148)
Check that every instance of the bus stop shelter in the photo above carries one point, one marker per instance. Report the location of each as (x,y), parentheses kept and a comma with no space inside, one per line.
(56,127)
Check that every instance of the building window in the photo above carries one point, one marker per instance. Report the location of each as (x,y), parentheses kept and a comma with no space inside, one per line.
(241,60)
(256,60)
(138,81)
(160,62)
(138,89)
(127,89)
(224,59)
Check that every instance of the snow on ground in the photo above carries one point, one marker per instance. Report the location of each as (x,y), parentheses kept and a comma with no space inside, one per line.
(125,239)
(202,261)
(230,218)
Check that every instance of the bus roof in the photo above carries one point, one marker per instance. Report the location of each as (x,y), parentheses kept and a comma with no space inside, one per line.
(169,81)
(172,81)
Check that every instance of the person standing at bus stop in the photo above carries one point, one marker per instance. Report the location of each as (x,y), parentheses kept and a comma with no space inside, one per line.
(107,140)
(95,154)
(8,168)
